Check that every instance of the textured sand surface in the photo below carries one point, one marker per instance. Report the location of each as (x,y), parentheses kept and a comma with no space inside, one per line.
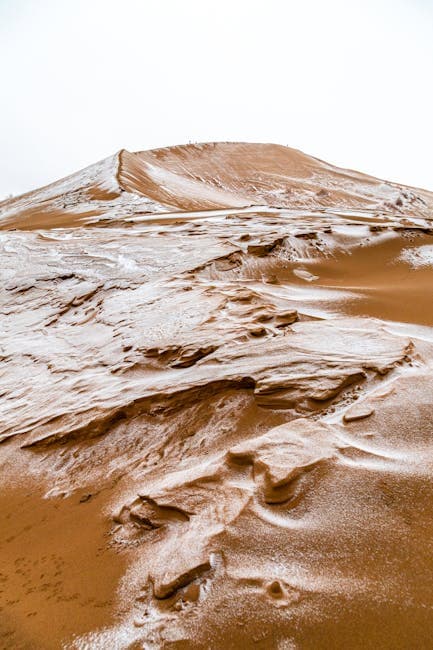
(216,393)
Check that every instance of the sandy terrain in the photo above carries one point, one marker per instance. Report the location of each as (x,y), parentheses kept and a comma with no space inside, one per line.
(216,406)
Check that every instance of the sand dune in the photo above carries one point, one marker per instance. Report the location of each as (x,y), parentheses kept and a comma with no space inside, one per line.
(216,387)
(205,177)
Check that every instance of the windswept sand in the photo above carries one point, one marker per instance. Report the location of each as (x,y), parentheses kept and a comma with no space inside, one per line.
(216,406)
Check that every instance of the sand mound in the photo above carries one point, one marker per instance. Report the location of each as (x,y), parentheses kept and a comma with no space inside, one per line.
(199,177)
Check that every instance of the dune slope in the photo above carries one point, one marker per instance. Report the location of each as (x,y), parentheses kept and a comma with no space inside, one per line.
(216,387)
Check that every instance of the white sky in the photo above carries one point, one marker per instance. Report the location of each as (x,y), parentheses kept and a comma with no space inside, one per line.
(345,80)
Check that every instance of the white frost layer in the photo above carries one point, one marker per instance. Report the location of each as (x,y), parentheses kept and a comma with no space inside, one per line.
(420,256)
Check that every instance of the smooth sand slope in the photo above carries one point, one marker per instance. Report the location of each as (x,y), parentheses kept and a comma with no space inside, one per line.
(216,393)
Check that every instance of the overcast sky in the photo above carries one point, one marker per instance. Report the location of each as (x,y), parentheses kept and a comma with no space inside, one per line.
(347,81)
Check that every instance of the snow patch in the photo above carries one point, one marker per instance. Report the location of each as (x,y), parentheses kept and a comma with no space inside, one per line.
(418,257)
